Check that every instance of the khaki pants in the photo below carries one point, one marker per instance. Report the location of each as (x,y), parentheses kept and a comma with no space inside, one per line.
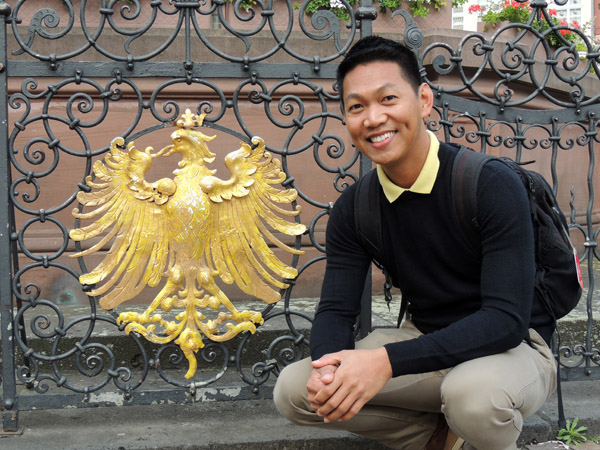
(484,400)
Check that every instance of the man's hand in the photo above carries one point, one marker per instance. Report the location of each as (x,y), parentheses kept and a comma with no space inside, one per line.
(319,378)
(356,377)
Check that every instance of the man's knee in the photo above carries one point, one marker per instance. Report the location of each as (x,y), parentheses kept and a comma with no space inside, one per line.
(477,408)
(477,400)
(290,395)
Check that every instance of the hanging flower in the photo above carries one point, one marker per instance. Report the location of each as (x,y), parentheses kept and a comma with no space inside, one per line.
(475,8)
(563,31)
(520,12)
(509,10)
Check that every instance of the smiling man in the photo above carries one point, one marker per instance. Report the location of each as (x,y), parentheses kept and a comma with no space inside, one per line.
(473,360)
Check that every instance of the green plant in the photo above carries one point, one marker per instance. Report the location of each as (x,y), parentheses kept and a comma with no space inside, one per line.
(245,3)
(335,6)
(509,10)
(571,434)
(419,8)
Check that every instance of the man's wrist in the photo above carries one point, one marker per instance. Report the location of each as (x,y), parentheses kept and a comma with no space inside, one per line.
(386,364)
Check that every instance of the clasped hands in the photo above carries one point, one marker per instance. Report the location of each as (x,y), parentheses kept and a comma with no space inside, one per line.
(342,382)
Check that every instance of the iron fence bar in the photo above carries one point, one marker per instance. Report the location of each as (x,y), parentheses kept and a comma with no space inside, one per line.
(365,15)
(9,391)
(591,245)
(107,69)
(475,108)
(18,325)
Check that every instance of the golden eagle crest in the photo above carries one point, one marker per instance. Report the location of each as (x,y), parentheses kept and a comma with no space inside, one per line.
(188,230)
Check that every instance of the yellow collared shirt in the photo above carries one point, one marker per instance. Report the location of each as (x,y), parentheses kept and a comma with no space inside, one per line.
(424,182)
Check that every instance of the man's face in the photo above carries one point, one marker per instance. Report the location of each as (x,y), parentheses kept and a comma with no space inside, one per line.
(384,114)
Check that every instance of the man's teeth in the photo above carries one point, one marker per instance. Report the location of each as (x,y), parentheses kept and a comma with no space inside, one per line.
(382,137)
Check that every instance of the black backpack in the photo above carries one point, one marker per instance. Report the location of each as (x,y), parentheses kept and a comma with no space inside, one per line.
(558,281)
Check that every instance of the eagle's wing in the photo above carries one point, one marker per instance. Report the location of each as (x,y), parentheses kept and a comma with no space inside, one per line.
(127,211)
(244,211)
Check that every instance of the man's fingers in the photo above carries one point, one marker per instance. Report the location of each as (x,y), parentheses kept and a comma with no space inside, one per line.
(353,410)
(327,377)
(338,407)
(326,373)
(331,359)
(356,376)
(326,392)
(319,380)
(342,397)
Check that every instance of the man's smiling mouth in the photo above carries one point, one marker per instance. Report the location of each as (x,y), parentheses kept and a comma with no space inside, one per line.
(382,137)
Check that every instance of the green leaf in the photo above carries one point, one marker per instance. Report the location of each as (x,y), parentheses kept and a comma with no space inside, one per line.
(571,434)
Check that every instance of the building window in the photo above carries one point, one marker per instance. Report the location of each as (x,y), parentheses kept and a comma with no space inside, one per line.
(458,23)
(571,11)
(458,18)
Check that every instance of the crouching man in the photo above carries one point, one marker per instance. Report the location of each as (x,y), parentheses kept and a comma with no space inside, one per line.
(473,361)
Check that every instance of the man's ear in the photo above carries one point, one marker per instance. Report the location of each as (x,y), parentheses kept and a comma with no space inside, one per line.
(426,98)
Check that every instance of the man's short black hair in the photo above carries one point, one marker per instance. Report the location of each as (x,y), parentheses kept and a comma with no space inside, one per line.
(375,48)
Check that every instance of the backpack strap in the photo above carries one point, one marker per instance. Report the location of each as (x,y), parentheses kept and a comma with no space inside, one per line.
(367,222)
(367,214)
(465,175)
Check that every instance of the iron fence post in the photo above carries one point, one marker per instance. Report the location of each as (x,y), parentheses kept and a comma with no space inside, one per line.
(365,15)
(9,394)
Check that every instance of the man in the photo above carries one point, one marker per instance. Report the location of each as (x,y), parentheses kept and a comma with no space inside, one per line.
(474,355)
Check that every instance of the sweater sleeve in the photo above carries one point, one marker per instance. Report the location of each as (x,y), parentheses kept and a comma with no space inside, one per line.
(507,280)
(343,283)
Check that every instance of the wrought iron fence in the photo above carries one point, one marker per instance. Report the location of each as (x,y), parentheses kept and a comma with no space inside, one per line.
(78,73)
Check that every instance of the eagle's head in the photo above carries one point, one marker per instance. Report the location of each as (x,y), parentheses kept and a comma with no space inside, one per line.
(189,142)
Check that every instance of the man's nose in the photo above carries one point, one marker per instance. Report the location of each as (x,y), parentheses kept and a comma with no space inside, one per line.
(374,117)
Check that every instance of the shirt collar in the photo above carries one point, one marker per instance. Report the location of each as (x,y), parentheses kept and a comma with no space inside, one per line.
(424,182)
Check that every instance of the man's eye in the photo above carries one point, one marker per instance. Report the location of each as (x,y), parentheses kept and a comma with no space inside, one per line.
(389,98)
(354,107)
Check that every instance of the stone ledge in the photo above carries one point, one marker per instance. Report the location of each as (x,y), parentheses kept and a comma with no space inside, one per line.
(241,425)
(572,329)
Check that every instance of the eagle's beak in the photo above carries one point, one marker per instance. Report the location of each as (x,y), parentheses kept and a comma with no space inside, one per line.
(169,149)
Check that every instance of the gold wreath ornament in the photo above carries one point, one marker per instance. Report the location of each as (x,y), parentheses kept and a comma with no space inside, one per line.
(184,232)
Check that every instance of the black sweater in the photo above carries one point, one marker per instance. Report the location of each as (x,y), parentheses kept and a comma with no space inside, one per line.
(467,305)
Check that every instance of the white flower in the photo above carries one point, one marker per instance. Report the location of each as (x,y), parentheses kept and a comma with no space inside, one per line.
(336,4)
